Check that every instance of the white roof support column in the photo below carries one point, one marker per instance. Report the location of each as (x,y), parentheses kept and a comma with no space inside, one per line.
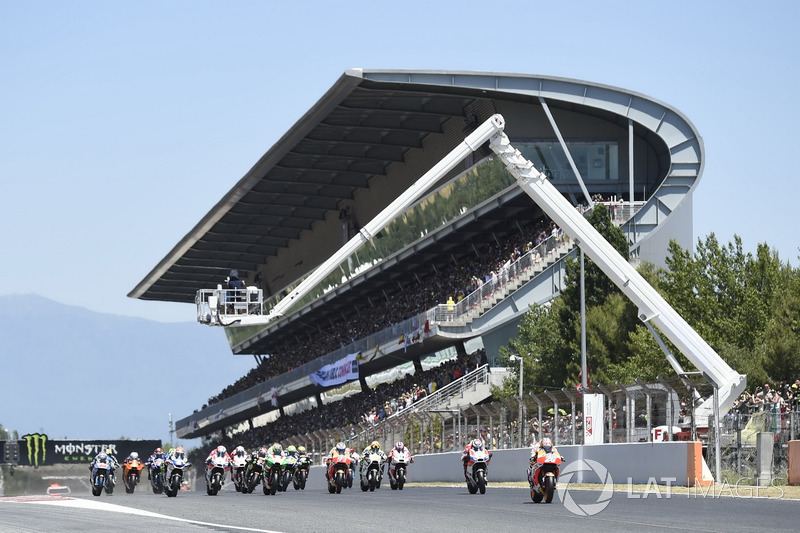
(630,161)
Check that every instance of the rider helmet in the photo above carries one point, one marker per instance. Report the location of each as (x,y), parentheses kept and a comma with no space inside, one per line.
(375,445)
(262,453)
(547,444)
(108,451)
(301,449)
(340,447)
(477,444)
(158,450)
(102,456)
(134,455)
(240,451)
(277,449)
(291,449)
(221,450)
(399,446)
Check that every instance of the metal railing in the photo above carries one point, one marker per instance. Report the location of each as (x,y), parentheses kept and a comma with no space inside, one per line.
(738,432)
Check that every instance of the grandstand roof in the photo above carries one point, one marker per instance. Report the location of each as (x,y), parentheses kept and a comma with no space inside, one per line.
(371,135)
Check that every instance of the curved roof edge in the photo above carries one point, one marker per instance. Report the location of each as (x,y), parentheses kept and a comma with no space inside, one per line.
(678,133)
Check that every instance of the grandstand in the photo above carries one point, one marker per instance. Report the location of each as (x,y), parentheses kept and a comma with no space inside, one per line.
(366,140)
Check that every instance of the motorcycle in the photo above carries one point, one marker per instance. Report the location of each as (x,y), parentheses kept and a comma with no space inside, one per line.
(476,474)
(215,474)
(131,473)
(102,477)
(157,475)
(301,472)
(238,468)
(338,473)
(272,474)
(173,476)
(371,472)
(254,474)
(543,480)
(351,470)
(398,465)
(287,472)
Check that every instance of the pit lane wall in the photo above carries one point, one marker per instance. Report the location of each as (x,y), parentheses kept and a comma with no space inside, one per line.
(675,463)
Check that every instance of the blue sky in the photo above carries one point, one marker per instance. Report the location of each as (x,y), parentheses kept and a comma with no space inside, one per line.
(122,123)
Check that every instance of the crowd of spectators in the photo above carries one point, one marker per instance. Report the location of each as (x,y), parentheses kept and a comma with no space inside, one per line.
(418,294)
(368,407)
(782,398)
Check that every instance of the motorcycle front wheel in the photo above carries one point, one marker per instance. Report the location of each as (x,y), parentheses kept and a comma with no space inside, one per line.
(550,488)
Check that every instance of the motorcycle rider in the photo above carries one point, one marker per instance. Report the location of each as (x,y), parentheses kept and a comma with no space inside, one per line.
(373,447)
(133,456)
(276,449)
(302,454)
(475,444)
(545,445)
(222,452)
(111,456)
(339,449)
(258,455)
(239,453)
(219,451)
(102,457)
(398,450)
(177,453)
(157,454)
(303,457)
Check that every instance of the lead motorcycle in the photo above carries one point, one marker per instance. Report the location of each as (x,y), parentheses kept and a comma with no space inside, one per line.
(477,466)
(173,474)
(371,471)
(102,477)
(215,474)
(544,479)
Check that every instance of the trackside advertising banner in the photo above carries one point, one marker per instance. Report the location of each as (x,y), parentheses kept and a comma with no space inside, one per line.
(593,420)
(37,449)
(343,370)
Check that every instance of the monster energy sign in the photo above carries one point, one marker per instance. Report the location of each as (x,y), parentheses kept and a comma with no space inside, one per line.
(37,449)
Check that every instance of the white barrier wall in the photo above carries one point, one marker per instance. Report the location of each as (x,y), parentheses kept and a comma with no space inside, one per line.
(661,462)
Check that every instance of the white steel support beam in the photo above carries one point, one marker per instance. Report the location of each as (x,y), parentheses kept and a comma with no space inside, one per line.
(651,305)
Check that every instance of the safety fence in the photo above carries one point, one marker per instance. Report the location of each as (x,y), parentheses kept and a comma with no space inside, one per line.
(637,412)
(738,439)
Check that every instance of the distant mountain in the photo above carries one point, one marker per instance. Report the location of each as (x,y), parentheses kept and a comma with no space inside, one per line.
(73,373)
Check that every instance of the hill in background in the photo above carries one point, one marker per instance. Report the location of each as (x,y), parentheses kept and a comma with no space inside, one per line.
(73,373)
